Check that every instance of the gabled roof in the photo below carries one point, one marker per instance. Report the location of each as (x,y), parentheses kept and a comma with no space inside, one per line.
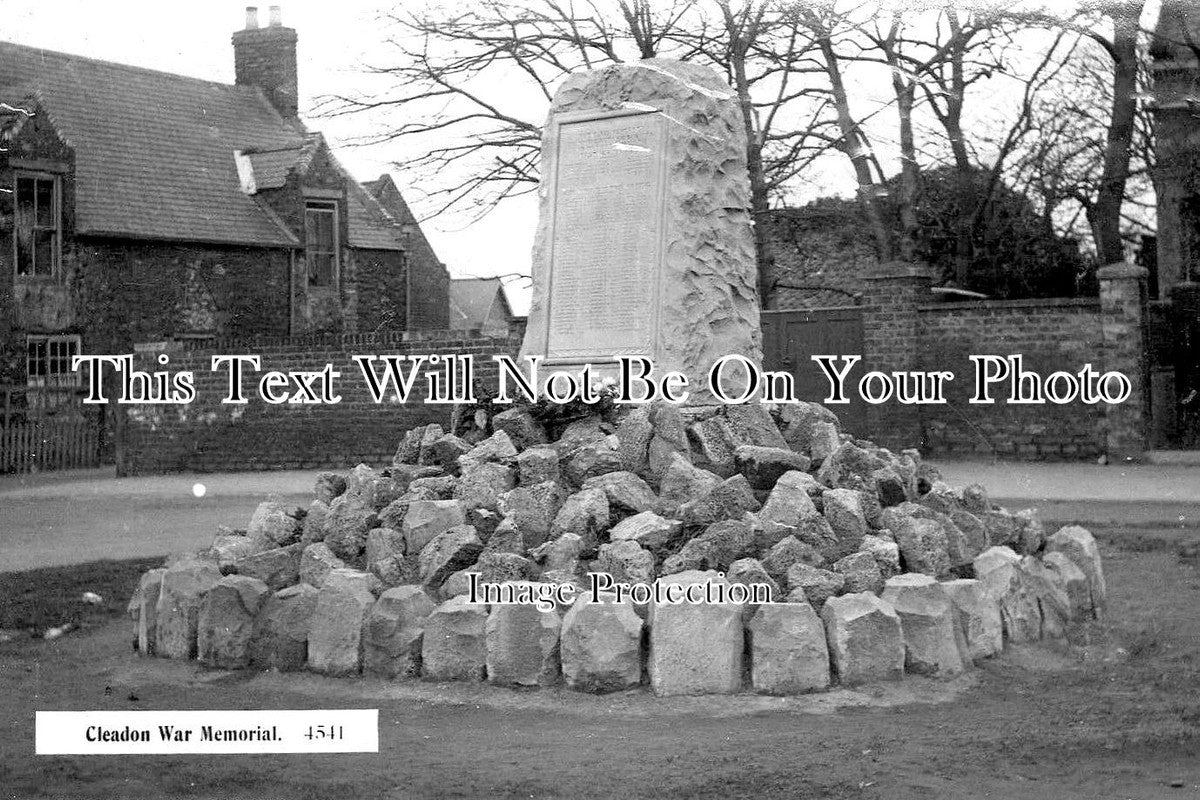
(371,226)
(154,152)
(472,301)
(384,190)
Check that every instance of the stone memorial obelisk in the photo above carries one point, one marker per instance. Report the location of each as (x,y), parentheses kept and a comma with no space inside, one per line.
(644,243)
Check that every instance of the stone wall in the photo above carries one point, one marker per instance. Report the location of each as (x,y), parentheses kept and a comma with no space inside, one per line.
(207,436)
(1052,335)
(381,285)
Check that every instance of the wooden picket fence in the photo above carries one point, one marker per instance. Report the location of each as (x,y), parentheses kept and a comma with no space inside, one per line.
(46,428)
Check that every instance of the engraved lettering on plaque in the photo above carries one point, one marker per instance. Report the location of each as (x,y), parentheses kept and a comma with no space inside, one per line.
(607,237)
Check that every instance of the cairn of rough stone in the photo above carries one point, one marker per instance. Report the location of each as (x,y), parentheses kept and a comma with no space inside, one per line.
(374,576)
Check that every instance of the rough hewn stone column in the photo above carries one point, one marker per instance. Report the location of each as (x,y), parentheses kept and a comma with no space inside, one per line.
(893,292)
(1122,311)
(645,245)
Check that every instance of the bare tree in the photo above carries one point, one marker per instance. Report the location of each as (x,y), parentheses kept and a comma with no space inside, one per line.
(931,68)
(471,88)
(1097,130)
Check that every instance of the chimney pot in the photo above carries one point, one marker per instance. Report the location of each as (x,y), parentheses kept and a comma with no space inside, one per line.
(266,58)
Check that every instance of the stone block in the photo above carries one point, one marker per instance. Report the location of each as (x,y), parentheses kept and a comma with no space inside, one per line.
(538,465)
(335,632)
(978,617)
(999,570)
(426,519)
(143,607)
(1073,582)
(393,632)
(601,645)
(763,466)
(788,653)
(317,561)
(346,525)
(934,643)
(625,491)
(280,639)
(532,509)
(448,552)
(818,584)
(1079,545)
(864,637)
(586,514)
(695,649)
(522,646)
(276,568)
(861,571)
(226,622)
(177,614)
(276,523)
(522,429)
(647,529)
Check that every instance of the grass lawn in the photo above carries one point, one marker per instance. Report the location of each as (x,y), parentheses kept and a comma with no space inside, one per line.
(33,601)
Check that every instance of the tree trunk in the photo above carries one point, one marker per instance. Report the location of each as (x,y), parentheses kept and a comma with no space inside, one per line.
(855,148)
(1105,218)
(906,89)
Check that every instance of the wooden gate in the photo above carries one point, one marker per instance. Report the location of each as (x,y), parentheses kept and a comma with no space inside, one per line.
(791,338)
(47,428)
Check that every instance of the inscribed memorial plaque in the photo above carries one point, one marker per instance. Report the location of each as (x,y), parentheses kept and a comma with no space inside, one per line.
(645,243)
(606,236)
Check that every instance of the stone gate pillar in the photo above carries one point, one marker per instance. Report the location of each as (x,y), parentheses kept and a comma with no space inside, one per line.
(891,340)
(1122,321)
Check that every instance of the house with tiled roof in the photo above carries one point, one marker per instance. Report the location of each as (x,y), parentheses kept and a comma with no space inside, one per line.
(480,304)
(138,205)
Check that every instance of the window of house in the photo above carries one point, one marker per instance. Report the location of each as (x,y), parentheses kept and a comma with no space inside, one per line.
(320,242)
(48,360)
(38,229)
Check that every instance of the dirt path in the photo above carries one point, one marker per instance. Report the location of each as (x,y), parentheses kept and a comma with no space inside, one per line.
(1116,716)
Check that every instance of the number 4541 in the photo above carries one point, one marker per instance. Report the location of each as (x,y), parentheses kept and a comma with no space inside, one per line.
(325,732)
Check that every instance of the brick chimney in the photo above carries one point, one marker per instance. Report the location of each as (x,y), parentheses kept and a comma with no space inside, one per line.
(266,58)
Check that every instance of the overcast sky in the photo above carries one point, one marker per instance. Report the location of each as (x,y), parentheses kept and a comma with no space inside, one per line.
(193,38)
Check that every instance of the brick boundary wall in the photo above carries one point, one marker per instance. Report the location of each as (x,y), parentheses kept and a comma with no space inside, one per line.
(1060,334)
(902,332)
(208,436)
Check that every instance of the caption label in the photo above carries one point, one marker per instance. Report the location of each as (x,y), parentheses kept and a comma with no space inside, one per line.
(183,732)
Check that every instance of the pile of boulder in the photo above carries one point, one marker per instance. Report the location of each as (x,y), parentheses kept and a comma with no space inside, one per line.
(874,566)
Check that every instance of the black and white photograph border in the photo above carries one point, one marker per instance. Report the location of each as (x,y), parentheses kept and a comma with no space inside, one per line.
(630,398)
